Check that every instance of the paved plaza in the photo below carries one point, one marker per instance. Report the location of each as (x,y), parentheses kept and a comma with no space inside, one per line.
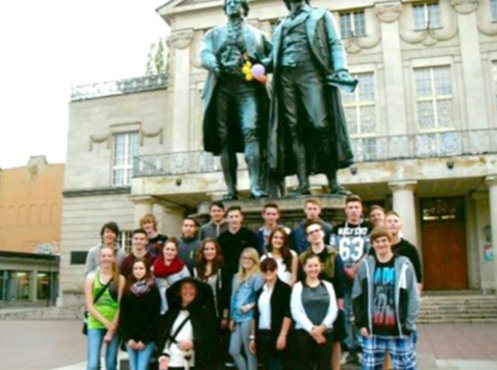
(60,345)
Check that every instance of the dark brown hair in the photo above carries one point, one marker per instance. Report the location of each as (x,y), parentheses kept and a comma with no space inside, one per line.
(269,264)
(130,280)
(285,248)
(201,262)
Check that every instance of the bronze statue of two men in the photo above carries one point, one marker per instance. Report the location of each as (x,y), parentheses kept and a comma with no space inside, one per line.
(301,128)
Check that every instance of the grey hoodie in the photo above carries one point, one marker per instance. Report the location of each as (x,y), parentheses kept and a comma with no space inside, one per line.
(407,302)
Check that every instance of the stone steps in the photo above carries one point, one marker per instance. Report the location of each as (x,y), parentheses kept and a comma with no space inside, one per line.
(458,308)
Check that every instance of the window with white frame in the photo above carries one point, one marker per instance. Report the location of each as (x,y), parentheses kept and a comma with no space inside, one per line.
(353,24)
(125,148)
(426,16)
(434,99)
(124,241)
(493,7)
(360,107)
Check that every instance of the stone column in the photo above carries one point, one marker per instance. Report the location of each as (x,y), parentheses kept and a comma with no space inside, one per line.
(473,77)
(33,286)
(404,204)
(179,83)
(143,205)
(492,204)
(388,14)
(173,218)
(486,268)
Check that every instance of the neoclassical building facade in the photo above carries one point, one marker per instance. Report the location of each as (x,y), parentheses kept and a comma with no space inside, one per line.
(423,124)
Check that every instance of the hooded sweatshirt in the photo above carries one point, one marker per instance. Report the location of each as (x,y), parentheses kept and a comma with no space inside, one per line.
(406,296)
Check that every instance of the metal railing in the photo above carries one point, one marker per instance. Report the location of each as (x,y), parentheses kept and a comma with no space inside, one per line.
(120,87)
(379,148)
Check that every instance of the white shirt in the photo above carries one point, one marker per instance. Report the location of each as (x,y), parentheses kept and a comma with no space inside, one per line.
(284,274)
(176,358)
(264,305)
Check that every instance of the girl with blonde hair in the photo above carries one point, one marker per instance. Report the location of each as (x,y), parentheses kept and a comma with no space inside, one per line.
(246,283)
(103,290)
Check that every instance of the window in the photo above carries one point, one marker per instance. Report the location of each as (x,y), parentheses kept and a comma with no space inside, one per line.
(493,7)
(360,109)
(125,148)
(124,241)
(353,24)
(434,103)
(426,16)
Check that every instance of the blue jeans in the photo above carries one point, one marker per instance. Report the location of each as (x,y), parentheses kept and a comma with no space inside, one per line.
(240,337)
(94,341)
(353,338)
(139,360)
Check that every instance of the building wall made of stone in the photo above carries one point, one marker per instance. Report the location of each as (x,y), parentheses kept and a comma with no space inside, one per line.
(93,124)
(83,218)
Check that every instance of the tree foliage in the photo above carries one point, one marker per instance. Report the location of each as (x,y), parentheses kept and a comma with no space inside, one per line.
(156,59)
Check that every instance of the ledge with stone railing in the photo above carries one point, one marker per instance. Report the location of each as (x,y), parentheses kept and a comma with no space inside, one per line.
(368,149)
(120,87)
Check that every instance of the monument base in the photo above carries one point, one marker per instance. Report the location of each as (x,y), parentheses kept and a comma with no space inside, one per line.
(291,209)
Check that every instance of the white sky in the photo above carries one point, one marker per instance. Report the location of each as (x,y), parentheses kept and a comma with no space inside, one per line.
(49,46)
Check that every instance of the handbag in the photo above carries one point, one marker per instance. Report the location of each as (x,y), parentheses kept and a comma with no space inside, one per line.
(95,299)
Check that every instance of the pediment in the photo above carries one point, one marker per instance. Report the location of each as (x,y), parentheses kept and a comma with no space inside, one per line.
(168,5)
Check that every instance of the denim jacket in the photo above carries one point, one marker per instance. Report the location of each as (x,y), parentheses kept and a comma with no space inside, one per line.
(244,294)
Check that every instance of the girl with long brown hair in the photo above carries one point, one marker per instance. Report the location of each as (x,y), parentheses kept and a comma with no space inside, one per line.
(139,315)
(209,269)
(103,290)
(278,248)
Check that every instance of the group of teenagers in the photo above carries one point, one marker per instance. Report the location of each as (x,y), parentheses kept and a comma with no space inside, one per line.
(273,298)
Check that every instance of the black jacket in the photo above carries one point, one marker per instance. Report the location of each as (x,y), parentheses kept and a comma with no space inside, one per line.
(139,316)
(223,286)
(280,308)
(202,318)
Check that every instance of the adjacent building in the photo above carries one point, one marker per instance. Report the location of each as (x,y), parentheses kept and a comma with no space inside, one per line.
(423,124)
(30,231)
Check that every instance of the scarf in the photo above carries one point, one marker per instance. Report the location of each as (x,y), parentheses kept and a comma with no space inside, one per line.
(140,288)
(163,271)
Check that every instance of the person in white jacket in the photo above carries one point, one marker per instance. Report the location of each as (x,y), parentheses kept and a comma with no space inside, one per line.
(314,309)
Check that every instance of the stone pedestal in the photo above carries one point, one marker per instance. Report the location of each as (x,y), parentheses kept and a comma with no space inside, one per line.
(291,209)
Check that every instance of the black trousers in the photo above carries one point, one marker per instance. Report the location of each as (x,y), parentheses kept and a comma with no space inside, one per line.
(268,357)
(311,355)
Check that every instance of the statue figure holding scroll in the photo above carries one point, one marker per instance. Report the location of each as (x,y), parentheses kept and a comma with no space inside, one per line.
(236,104)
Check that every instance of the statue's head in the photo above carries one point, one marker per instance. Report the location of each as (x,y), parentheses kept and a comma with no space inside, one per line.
(289,2)
(234,7)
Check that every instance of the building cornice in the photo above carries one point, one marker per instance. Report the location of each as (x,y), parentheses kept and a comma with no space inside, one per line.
(96,191)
